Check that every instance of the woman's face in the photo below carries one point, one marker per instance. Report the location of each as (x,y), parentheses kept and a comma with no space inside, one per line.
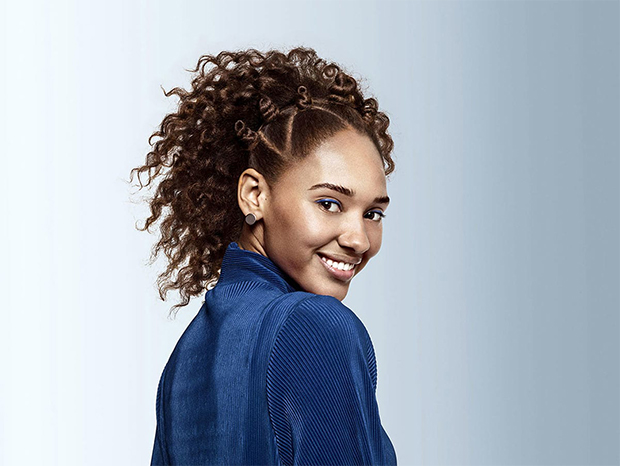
(306,221)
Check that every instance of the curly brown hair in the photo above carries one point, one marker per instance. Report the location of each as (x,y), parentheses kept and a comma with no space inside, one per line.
(294,101)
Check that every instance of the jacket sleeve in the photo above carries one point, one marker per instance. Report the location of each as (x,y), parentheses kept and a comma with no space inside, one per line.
(321,381)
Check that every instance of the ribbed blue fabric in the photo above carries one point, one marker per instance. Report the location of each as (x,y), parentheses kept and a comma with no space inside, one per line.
(268,374)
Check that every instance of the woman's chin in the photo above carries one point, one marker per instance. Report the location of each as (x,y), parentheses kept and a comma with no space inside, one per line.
(337,291)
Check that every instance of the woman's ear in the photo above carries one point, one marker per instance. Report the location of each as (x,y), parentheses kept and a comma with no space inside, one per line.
(252,193)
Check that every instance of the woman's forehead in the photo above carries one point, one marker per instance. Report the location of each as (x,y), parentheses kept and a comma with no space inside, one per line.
(348,153)
(346,160)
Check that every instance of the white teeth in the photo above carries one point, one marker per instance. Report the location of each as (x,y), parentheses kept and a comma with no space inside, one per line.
(338,265)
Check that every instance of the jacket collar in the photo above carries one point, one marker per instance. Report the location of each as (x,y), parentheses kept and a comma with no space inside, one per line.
(241,265)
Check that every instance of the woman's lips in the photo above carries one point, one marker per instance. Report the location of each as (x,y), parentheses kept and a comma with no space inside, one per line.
(343,275)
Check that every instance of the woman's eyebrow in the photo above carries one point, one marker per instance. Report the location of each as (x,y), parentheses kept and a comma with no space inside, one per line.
(348,192)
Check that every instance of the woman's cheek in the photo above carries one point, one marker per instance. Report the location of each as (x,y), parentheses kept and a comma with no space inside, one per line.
(318,226)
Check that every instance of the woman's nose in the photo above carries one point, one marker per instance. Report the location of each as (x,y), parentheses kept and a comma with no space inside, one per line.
(354,236)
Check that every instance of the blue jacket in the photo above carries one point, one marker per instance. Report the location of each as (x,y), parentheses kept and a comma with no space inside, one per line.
(268,374)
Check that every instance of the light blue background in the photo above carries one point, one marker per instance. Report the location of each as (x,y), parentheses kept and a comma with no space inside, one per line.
(494,302)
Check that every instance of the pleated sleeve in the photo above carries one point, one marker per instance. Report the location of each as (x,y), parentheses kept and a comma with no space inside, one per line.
(321,383)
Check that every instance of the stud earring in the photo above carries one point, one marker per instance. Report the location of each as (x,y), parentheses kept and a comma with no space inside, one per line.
(250,219)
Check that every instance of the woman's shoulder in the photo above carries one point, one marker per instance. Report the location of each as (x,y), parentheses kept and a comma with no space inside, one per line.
(321,317)
(320,338)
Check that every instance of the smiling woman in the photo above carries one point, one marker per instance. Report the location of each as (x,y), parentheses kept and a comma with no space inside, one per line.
(274,368)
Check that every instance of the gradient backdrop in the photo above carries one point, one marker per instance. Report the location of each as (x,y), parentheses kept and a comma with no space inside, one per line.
(494,302)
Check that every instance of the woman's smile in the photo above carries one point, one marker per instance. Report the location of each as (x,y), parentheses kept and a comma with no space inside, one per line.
(341,270)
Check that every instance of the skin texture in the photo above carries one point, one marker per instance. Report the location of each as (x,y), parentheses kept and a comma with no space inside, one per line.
(292,227)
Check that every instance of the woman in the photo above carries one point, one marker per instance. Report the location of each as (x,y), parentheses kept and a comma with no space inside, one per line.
(275,190)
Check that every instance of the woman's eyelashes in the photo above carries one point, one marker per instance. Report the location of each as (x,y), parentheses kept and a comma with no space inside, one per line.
(331,202)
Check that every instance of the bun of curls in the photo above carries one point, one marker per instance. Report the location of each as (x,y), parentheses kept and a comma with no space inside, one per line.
(245,109)
(268,109)
(249,137)
(303,100)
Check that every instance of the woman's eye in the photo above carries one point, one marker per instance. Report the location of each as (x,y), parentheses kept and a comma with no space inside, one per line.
(379,214)
(326,204)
